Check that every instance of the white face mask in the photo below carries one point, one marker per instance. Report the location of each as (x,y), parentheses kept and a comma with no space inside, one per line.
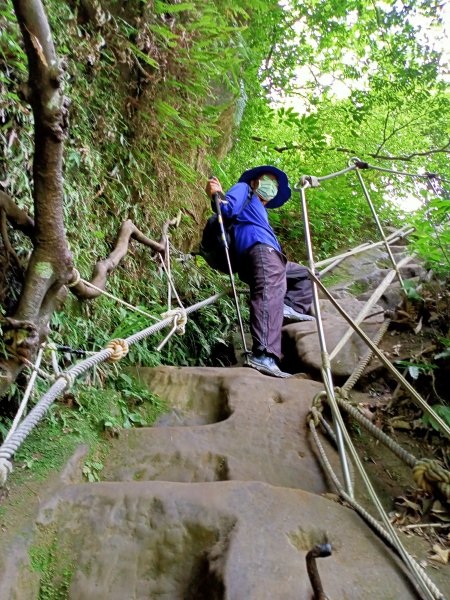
(267,188)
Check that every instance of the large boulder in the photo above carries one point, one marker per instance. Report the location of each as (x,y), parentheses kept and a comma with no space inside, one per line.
(301,342)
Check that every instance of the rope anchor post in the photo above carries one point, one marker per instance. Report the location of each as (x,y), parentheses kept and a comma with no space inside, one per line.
(318,551)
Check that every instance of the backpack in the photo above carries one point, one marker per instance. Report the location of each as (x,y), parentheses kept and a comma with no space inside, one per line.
(212,247)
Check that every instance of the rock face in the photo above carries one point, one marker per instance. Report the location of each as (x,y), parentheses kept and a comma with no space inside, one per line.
(234,540)
(227,424)
(301,342)
(356,279)
(220,501)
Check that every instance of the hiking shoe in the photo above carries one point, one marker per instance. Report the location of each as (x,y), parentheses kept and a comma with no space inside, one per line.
(265,364)
(292,315)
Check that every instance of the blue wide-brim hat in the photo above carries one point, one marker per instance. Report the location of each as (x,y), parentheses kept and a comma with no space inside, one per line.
(284,191)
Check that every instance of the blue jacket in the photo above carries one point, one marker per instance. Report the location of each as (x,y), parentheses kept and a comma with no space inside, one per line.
(252,223)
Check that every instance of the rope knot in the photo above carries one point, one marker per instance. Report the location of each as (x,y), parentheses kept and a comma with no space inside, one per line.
(119,349)
(430,474)
(5,469)
(68,378)
(341,392)
(179,316)
(314,416)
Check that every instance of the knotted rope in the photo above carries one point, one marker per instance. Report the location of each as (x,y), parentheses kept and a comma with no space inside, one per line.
(119,348)
(430,474)
(420,579)
(179,316)
(76,278)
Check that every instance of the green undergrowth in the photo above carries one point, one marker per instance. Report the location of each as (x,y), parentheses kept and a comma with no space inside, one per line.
(89,415)
(89,326)
(332,279)
(358,287)
(140,153)
(53,563)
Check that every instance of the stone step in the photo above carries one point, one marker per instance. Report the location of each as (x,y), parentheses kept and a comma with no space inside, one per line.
(264,436)
(204,541)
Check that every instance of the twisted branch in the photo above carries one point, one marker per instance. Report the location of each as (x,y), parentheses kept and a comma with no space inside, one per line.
(103,268)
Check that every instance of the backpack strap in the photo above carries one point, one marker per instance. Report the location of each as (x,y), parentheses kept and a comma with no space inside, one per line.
(247,201)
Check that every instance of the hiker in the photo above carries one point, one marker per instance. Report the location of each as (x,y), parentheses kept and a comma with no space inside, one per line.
(278,288)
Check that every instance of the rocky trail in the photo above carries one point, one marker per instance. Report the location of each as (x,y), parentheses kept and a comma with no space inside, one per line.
(225,496)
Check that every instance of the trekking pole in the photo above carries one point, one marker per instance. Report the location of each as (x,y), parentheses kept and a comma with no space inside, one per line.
(217,197)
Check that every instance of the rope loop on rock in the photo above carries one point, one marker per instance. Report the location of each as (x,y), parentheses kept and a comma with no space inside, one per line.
(429,474)
(180,317)
(119,348)
(76,278)
(316,408)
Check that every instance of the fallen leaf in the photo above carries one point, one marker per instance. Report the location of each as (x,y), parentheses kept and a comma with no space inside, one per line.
(440,512)
(441,555)
(418,326)
(399,424)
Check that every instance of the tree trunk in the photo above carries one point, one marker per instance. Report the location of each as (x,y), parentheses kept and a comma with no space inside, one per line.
(50,265)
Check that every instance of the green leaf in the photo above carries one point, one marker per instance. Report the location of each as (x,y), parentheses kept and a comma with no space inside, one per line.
(164,7)
(150,61)
(442,411)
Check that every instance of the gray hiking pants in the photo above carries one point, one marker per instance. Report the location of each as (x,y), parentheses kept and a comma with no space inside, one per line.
(273,281)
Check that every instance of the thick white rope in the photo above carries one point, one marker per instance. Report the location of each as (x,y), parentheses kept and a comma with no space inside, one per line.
(343,437)
(170,280)
(394,237)
(407,559)
(116,299)
(420,579)
(5,469)
(379,225)
(386,362)
(405,174)
(54,359)
(169,275)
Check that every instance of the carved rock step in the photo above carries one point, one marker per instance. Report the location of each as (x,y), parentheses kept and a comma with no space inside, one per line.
(206,541)
(247,427)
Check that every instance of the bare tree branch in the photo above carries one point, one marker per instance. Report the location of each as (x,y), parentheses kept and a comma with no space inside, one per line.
(279,149)
(18,218)
(50,265)
(5,238)
(445,149)
(103,268)
(51,260)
